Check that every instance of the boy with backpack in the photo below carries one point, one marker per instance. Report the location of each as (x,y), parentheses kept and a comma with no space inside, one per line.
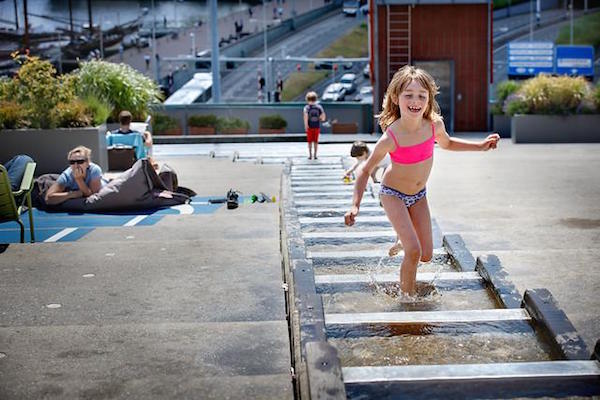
(313,115)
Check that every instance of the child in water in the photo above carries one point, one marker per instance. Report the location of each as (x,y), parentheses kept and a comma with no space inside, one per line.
(361,152)
(411,123)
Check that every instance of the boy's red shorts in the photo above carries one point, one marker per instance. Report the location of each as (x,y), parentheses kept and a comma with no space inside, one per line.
(312,134)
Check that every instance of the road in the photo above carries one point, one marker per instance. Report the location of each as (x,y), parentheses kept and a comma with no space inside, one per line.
(241,85)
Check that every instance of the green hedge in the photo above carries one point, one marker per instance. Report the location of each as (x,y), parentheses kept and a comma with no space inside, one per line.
(203,121)
(274,121)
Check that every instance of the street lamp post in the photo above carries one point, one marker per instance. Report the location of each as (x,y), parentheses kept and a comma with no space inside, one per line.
(530,20)
(154,59)
(571,27)
(214,54)
(267,80)
(193,36)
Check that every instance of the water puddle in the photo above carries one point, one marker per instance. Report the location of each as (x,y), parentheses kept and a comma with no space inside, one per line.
(442,348)
(377,265)
(387,299)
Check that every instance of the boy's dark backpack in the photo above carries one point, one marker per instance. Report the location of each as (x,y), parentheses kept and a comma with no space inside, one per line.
(314,114)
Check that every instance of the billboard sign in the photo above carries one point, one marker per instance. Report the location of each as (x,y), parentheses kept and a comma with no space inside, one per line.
(530,58)
(575,60)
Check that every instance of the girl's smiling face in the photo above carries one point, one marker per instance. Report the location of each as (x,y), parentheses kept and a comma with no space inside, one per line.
(412,101)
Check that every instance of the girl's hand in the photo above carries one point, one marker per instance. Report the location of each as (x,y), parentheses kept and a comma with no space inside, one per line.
(490,142)
(350,216)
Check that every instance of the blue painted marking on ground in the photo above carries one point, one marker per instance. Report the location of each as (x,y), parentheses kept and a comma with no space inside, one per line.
(48,224)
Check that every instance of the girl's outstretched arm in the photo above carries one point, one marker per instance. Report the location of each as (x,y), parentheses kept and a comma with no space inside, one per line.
(456,144)
(383,146)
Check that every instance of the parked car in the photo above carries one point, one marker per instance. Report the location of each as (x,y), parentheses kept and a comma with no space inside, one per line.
(349,83)
(365,95)
(350,8)
(367,71)
(334,92)
(329,64)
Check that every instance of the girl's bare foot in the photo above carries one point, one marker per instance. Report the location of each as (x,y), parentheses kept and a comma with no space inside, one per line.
(395,249)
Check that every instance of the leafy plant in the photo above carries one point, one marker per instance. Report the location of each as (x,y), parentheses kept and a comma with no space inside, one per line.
(274,121)
(72,114)
(99,109)
(162,123)
(11,115)
(118,85)
(546,94)
(35,88)
(225,123)
(203,121)
(515,104)
(596,97)
(503,90)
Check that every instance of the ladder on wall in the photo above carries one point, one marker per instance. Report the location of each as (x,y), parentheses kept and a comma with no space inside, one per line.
(398,37)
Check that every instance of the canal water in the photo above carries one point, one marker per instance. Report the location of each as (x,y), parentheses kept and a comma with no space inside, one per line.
(47,15)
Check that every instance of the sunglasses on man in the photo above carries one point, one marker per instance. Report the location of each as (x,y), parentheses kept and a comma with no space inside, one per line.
(77,162)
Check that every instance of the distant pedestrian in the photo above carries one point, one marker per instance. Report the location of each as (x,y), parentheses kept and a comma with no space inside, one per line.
(261,82)
(147,60)
(165,21)
(121,51)
(278,88)
(313,114)
(250,11)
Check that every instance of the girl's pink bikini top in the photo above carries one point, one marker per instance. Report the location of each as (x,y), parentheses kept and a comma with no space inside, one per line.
(412,154)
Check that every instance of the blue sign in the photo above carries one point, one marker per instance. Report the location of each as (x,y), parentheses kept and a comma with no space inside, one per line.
(530,58)
(575,60)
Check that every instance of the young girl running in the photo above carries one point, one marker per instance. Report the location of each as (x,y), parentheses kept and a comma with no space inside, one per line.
(411,123)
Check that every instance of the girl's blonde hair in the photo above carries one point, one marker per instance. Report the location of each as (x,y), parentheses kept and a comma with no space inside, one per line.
(401,79)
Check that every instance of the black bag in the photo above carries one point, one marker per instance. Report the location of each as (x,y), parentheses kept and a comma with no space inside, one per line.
(232,199)
(121,158)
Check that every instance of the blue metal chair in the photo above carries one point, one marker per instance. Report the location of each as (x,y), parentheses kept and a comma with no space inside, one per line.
(13,203)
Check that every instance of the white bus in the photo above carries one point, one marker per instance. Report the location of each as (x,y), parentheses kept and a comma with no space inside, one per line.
(196,90)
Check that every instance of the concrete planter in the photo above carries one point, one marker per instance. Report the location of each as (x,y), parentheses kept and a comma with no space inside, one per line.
(202,130)
(555,128)
(501,125)
(171,132)
(49,147)
(344,128)
(271,131)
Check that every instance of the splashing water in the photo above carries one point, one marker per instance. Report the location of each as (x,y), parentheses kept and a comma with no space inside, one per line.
(371,273)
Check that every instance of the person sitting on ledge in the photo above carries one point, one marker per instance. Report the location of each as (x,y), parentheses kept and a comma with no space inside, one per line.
(81,179)
(125,129)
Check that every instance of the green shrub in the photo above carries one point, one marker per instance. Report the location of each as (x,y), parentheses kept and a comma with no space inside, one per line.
(596,97)
(11,115)
(119,85)
(274,121)
(224,123)
(72,114)
(203,121)
(503,90)
(554,95)
(37,89)
(515,104)
(162,123)
(99,109)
